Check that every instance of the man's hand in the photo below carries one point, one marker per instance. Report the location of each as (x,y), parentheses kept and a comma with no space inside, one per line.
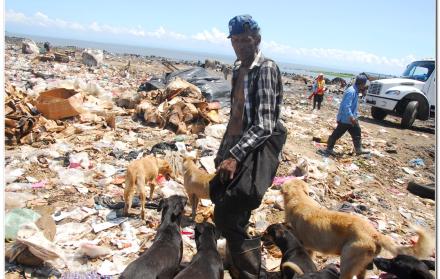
(227,169)
(353,120)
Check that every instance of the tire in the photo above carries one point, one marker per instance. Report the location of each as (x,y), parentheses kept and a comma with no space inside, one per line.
(409,115)
(423,191)
(378,113)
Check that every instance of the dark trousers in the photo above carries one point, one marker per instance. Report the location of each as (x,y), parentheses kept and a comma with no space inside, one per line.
(354,130)
(232,222)
(317,99)
(235,200)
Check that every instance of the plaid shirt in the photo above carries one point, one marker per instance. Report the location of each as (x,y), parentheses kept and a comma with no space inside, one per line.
(263,93)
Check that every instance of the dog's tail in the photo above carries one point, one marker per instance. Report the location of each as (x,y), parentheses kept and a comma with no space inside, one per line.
(422,249)
(292,267)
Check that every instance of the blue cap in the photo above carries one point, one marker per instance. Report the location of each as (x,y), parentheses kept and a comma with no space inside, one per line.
(361,79)
(237,24)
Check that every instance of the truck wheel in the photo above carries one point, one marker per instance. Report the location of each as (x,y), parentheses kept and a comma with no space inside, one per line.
(378,113)
(409,115)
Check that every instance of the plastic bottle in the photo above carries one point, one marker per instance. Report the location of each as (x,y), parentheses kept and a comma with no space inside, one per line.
(337,180)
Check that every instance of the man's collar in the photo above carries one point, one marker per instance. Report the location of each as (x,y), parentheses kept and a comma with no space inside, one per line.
(256,63)
(355,88)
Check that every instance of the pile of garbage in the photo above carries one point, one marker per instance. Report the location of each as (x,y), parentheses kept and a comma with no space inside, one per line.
(65,169)
(181,105)
(24,124)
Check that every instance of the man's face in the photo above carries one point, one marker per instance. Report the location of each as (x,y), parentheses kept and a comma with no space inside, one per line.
(245,46)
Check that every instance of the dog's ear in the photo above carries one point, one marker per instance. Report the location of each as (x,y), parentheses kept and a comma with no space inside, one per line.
(304,187)
(192,156)
(179,207)
(198,231)
(163,164)
(168,172)
(161,205)
(332,268)
(429,264)
(217,233)
(284,187)
(288,226)
(183,201)
(198,154)
(279,232)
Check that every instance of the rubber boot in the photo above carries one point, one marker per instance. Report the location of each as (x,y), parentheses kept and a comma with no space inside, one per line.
(358,147)
(329,150)
(246,259)
(326,152)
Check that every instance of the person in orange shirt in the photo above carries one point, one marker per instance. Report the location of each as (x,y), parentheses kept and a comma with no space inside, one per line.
(318,90)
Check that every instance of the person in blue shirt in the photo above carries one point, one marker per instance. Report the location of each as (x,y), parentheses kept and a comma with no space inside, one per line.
(347,118)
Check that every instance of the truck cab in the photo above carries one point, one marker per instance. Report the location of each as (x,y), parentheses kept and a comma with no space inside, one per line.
(412,96)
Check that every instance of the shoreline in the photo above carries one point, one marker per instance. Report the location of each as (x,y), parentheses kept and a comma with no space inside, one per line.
(172,54)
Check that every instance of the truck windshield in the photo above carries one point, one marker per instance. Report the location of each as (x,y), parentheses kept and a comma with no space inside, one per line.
(419,70)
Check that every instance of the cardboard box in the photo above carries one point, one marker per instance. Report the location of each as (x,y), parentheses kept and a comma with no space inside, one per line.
(60,103)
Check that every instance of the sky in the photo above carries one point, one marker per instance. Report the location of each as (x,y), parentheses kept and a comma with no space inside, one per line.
(380,36)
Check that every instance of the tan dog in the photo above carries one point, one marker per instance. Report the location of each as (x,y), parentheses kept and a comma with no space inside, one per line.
(141,172)
(331,232)
(196,183)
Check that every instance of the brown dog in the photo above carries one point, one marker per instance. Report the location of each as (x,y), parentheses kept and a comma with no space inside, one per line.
(331,232)
(141,172)
(196,183)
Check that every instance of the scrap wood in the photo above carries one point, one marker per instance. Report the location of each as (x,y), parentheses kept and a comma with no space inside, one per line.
(170,66)
(183,113)
(181,87)
(22,123)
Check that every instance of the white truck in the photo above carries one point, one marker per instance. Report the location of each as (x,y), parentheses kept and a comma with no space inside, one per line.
(410,97)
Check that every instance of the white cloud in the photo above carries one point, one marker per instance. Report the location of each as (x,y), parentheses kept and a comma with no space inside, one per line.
(13,16)
(329,55)
(214,36)
(43,20)
(94,26)
(162,33)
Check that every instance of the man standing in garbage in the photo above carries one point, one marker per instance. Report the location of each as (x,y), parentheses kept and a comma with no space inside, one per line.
(347,118)
(249,153)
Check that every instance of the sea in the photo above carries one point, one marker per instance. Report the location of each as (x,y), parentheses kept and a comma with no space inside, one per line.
(174,54)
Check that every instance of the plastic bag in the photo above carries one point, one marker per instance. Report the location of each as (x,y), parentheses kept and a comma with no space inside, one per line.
(17,200)
(79,160)
(37,243)
(71,176)
(16,218)
(106,169)
(216,131)
(12,174)
(208,143)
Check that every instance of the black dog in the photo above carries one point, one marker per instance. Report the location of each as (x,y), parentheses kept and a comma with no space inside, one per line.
(163,258)
(207,263)
(406,267)
(295,260)
(329,272)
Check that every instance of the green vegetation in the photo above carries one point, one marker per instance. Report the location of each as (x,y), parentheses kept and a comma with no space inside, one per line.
(341,75)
